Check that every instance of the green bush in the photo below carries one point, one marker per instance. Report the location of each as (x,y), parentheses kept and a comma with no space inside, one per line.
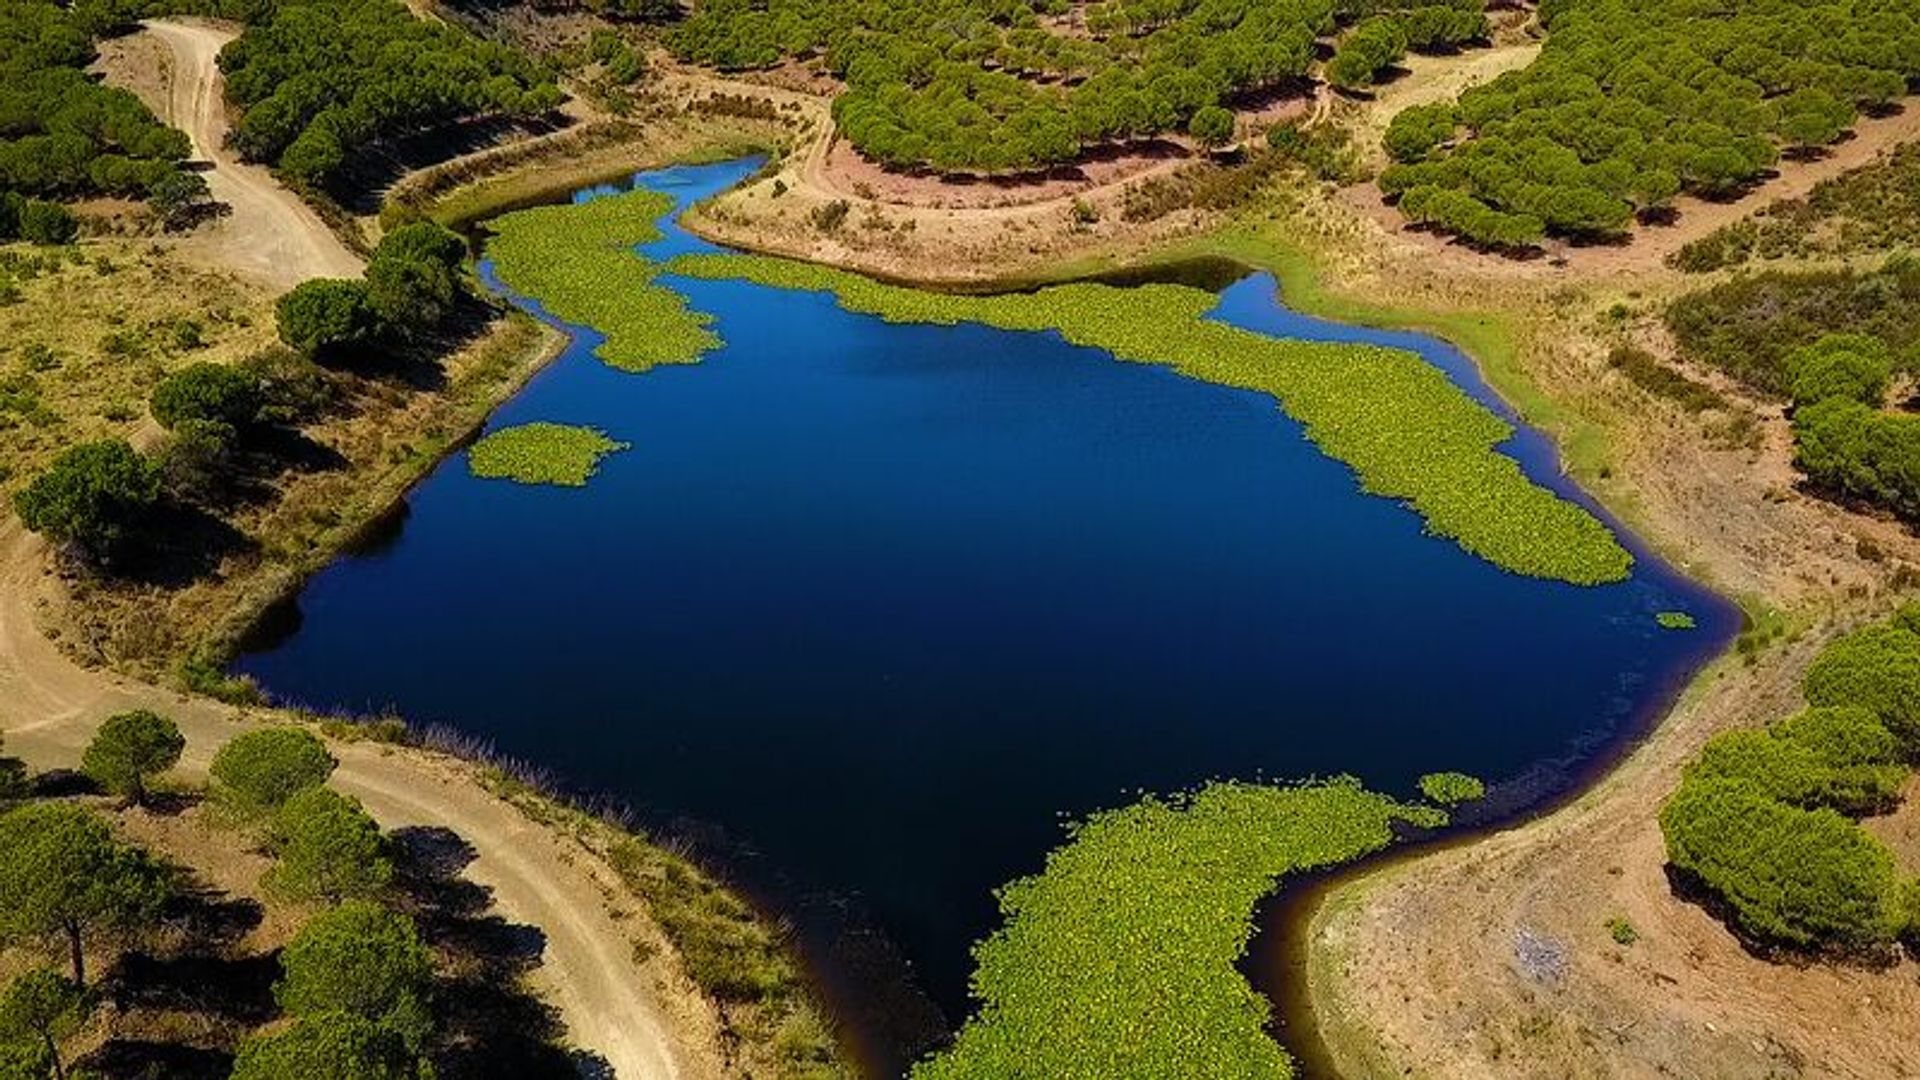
(47,223)
(1803,878)
(1368,50)
(413,278)
(1820,772)
(328,849)
(131,748)
(1416,132)
(257,772)
(93,497)
(325,317)
(217,393)
(363,960)
(1851,366)
(1212,126)
(1856,452)
(1877,668)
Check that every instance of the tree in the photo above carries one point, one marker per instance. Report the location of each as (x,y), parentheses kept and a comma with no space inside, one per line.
(129,748)
(361,959)
(197,458)
(1212,126)
(62,874)
(220,393)
(326,1046)
(1852,366)
(92,497)
(44,1006)
(179,198)
(47,223)
(413,277)
(324,316)
(1878,668)
(257,772)
(328,849)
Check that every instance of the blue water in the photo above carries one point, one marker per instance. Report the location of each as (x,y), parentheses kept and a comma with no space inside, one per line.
(870,606)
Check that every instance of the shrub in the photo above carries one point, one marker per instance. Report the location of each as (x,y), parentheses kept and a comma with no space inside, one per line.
(1416,132)
(1856,452)
(204,391)
(93,496)
(328,849)
(413,278)
(1851,366)
(363,960)
(197,458)
(47,223)
(1366,51)
(131,748)
(1790,876)
(1878,668)
(1809,762)
(325,316)
(1211,126)
(1622,931)
(257,772)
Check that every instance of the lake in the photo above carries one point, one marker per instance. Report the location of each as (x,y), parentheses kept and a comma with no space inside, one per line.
(867,608)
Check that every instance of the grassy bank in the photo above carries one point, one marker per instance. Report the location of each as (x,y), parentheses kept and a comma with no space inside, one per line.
(1119,958)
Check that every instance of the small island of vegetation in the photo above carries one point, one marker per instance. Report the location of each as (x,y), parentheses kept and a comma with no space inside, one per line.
(541,453)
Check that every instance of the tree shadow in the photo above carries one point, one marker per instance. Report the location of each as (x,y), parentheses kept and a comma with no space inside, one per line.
(138,1059)
(371,170)
(182,544)
(489,1026)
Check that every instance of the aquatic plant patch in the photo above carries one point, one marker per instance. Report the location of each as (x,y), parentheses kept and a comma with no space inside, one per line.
(1118,958)
(578,262)
(1675,620)
(542,453)
(1452,788)
(1407,432)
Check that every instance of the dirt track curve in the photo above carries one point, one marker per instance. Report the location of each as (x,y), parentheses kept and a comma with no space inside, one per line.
(268,233)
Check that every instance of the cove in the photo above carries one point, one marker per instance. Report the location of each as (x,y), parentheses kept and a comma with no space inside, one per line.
(868,607)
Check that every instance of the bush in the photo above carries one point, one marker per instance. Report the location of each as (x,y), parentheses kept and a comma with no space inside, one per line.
(328,849)
(131,748)
(1877,668)
(1416,132)
(363,960)
(1835,758)
(1366,51)
(210,392)
(1840,365)
(47,223)
(1790,876)
(93,497)
(325,316)
(196,461)
(257,772)
(1211,126)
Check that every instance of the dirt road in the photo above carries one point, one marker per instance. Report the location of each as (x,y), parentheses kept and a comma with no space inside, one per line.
(269,234)
(636,1019)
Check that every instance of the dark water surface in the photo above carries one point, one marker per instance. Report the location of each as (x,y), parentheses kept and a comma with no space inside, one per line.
(873,605)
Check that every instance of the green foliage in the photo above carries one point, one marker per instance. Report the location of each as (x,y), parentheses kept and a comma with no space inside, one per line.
(1798,877)
(983,86)
(1633,101)
(413,278)
(328,848)
(1749,326)
(94,497)
(131,748)
(1417,132)
(318,80)
(1840,758)
(63,133)
(1674,620)
(180,198)
(40,1006)
(1876,667)
(1211,125)
(1856,452)
(1452,788)
(14,783)
(1621,931)
(1840,365)
(258,771)
(1119,958)
(327,1046)
(1647,372)
(1408,432)
(1366,52)
(1873,208)
(542,453)
(578,261)
(364,960)
(217,393)
(63,875)
(325,317)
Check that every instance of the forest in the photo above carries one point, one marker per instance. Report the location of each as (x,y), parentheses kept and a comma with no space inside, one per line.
(62,134)
(1003,85)
(318,80)
(1632,102)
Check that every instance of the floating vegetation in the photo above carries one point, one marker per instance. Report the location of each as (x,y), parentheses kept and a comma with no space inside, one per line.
(1675,620)
(1406,431)
(1118,958)
(578,261)
(1451,788)
(541,453)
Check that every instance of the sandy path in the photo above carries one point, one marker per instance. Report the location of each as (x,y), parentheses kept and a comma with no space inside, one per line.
(269,234)
(49,708)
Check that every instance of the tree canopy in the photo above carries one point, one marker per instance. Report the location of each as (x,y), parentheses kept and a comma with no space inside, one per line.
(129,749)
(1633,101)
(361,959)
(63,875)
(258,771)
(326,1046)
(328,849)
(93,497)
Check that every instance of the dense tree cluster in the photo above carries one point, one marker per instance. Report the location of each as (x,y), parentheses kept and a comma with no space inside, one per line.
(1843,440)
(319,79)
(987,86)
(1634,101)
(1767,820)
(412,282)
(62,133)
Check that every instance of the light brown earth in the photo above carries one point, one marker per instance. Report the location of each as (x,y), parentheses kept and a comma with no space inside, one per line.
(267,233)
(645,1017)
